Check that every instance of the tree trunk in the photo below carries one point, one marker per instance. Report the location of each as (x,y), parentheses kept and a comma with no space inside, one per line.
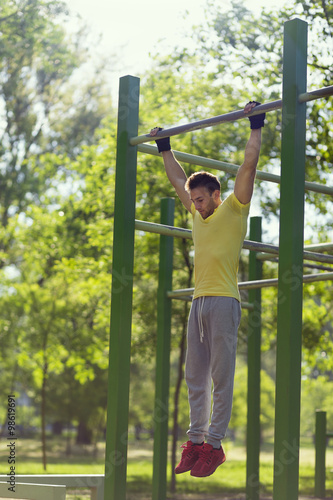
(68,440)
(57,428)
(43,411)
(84,435)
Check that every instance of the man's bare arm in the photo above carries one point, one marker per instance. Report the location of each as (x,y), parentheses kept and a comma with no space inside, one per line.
(246,174)
(176,174)
(177,177)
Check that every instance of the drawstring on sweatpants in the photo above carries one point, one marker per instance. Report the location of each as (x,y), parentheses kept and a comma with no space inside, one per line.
(201,330)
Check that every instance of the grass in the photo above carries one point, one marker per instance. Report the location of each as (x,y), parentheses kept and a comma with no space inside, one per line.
(229,479)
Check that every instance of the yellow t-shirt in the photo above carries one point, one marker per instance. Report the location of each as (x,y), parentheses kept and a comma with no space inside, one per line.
(218,241)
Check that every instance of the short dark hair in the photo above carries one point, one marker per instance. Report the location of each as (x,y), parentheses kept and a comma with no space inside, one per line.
(203,179)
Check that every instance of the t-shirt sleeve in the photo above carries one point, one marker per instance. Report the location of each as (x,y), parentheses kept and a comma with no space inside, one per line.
(236,206)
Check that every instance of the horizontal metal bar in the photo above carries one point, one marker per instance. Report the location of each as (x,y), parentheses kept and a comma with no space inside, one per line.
(185,298)
(182,292)
(247,305)
(247,285)
(318,267)
(316,94)
(229,117)
(312,256)
(316,247)
(201,161)
(231,168)
(208,122)
(270,258)
(307,278)
(319,247)
(189,298)
(153,227)
(256,246)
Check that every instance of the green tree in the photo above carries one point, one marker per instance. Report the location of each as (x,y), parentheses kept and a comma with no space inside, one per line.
(239,410)
(57,316)
(316,395)
(237,46)
(41,109)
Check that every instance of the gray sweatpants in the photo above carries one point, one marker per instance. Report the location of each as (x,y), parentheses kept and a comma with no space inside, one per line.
(211,355)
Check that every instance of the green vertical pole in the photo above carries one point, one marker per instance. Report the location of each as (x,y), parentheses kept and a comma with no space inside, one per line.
(290,291)
(163,355)
(320,464)
(254,365)
(121,295)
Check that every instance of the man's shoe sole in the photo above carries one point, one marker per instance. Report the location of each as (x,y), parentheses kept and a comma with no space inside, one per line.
(182,471)
(206,475)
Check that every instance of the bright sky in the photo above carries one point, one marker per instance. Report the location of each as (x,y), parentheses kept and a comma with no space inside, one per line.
(131,29)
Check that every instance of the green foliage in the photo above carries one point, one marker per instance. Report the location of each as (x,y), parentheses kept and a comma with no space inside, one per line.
(56,203)
(41,110)
(237,46)
(239,410)
(316,395)
(56,305)
(141,413)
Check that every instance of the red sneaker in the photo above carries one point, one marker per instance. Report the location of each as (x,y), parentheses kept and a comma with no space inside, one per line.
(190,455)
(209,460)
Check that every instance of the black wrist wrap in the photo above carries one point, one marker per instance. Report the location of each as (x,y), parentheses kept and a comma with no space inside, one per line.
(257,121)
(163,144)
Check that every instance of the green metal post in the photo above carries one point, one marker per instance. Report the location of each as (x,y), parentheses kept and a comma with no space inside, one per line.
(121,296)
(290,292)
(320,464)
(163,355)
(254,365)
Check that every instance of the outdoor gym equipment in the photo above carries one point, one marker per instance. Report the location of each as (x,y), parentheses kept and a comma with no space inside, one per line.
(290,284)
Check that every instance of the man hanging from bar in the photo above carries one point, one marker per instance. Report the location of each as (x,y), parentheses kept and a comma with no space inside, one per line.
(219,229)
